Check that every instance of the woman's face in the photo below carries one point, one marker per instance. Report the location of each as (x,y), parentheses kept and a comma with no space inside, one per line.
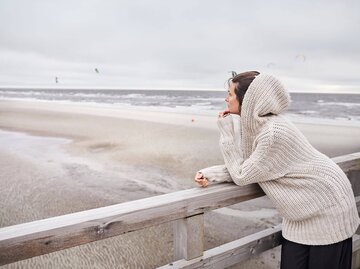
(232,102)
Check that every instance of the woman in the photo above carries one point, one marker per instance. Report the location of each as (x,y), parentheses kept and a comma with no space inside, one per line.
(312,194)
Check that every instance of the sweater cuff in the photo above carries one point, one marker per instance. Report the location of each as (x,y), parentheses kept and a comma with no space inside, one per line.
(226,127)
(217,173)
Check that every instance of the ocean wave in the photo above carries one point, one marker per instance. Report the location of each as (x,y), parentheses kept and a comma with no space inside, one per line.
(350,105)
(188,102)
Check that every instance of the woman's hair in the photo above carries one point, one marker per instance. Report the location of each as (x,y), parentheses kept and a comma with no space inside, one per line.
(242,80)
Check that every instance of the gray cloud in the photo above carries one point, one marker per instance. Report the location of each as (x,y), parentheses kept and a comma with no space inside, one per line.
(187,44)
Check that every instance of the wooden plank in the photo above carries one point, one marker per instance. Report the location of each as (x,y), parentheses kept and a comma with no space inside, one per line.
(44,236)
(357,200)
(189,238)
(234,252)
(356,242)
(349,162)
(356,252)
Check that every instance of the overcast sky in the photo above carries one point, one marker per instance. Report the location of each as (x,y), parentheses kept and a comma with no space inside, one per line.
(189,44)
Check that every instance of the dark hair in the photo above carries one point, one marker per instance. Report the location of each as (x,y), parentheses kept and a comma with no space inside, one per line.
(242,80)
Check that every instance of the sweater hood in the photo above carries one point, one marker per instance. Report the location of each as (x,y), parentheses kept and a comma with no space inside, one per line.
(265,96)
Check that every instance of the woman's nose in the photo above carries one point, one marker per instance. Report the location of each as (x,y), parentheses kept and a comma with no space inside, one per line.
(227,99)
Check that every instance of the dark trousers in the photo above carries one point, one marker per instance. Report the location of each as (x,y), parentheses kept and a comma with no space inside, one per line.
(334,256)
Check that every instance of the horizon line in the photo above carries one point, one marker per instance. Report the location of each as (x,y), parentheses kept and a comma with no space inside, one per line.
(150,89)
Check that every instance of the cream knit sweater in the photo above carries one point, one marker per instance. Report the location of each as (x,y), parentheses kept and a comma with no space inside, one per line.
(310,191)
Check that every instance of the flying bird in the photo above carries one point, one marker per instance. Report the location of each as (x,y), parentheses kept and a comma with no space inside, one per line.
(97,70)
(56,80)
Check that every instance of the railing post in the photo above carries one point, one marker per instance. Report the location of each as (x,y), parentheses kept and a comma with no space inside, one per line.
(189,237)
(355,260)
(356,248)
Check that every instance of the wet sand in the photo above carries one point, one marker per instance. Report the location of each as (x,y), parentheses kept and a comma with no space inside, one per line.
(73,158)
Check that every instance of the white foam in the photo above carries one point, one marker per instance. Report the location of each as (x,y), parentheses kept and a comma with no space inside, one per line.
(353,122)
(349,105)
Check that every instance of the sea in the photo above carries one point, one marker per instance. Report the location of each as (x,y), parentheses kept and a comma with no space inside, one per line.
(313,107)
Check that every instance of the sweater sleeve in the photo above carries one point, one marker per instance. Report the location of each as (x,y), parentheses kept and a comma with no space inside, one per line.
(217,173)
(258,167)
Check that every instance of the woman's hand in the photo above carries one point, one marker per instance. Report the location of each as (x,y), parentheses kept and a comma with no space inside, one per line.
(223,114)
(201,180)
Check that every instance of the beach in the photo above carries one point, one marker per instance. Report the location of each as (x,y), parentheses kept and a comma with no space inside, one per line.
(60,158)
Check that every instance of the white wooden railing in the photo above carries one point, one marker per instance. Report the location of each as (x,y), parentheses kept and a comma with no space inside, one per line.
(186,207)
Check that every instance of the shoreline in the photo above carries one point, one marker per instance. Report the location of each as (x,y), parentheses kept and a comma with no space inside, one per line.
(333,140)
(157,115)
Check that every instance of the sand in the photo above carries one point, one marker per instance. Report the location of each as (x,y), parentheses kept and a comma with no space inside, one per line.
(62,158)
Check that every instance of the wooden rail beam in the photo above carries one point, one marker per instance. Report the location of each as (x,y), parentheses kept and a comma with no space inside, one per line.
(349,162)
(233,252)
(40,237)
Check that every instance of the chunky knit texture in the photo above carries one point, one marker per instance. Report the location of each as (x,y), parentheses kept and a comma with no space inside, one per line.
(310,191)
